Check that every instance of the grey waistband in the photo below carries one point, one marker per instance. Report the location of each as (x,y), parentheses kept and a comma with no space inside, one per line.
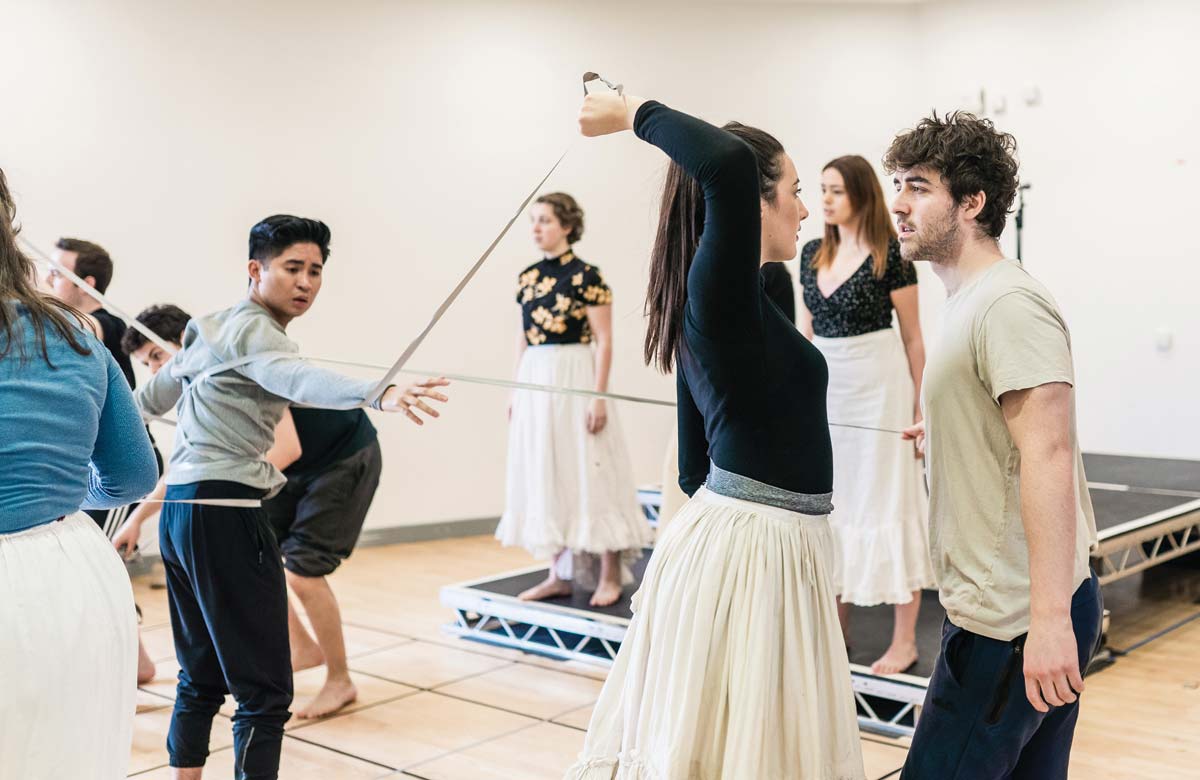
(726,483)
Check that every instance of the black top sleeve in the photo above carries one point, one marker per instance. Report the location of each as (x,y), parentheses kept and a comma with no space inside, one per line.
(693,444)
(723,283)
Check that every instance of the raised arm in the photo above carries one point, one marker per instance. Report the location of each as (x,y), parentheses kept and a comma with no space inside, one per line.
(723,284)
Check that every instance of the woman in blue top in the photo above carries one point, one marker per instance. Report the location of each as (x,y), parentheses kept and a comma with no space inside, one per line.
(70,437)
(733,664)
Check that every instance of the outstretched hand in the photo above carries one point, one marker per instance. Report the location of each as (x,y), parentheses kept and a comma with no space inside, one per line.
(409,400)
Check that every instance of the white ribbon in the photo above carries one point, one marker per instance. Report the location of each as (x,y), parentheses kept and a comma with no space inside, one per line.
(100,297)
(445,305)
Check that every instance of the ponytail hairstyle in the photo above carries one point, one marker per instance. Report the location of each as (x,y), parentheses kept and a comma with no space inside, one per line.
(680,222)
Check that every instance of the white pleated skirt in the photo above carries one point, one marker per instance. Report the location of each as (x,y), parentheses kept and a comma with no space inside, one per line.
(68,654)
(881,511)
(733,666)
(567,489)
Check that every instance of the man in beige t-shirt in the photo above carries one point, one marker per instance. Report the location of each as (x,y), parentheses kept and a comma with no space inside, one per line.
(1011,523)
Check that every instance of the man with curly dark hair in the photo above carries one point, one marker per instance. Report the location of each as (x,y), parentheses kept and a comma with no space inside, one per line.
(1011,522)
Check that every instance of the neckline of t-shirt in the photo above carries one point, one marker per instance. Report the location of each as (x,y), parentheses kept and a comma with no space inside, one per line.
(979,278)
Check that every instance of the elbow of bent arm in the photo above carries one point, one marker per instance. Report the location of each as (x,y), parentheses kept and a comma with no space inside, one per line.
(689,485)
(735,161)
(143,476)
(106,492)
(146,481)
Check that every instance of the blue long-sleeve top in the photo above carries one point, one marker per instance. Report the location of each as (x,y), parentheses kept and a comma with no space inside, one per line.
(751,389)
(71,436)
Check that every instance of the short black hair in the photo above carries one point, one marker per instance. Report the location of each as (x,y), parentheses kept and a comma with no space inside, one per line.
(276,233)
(92,260)
(165,320)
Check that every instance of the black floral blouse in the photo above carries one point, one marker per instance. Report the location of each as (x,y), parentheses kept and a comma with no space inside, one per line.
(863,304)
(554,295)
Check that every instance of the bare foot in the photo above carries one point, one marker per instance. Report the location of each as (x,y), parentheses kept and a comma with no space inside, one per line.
(332,697)
(306,657)
(898,658)
(550,588)
(145,672)
(607,594)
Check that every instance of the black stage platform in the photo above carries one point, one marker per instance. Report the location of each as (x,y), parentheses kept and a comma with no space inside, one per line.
(1147,514)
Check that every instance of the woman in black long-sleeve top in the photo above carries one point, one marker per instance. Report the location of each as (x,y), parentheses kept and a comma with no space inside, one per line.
(733,665)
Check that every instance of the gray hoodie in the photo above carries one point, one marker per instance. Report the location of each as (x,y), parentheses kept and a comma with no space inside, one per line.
(227,419)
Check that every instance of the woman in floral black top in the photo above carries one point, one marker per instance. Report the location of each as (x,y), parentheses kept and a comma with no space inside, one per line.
(853,279)
(570,491)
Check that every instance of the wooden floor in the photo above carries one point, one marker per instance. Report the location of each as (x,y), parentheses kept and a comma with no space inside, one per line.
(435,707)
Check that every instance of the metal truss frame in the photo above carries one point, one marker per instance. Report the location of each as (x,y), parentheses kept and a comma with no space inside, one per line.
(560,632)
(1148,541)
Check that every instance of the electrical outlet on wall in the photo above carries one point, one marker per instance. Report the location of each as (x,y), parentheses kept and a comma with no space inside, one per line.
(1164,339)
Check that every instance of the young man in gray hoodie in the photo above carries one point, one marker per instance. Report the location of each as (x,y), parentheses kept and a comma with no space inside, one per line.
(230,384)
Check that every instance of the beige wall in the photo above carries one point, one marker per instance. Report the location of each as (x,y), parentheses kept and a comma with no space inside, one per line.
(164,130)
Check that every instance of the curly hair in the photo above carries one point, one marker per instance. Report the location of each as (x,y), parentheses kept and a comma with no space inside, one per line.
(567,212)
(970,155)
(166,320)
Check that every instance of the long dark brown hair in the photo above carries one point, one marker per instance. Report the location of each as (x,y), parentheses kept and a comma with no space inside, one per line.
(17,286)
(680,222)
(875,227)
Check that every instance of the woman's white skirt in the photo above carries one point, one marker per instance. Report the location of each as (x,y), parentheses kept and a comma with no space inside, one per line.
(880,519)
(568,489)
(68,654)
(733,665)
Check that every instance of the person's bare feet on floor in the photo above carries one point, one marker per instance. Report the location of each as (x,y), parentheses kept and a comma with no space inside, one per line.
(145,672)
(898,658)
(607,594)
(306,655)
(334,695)
(551,587)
